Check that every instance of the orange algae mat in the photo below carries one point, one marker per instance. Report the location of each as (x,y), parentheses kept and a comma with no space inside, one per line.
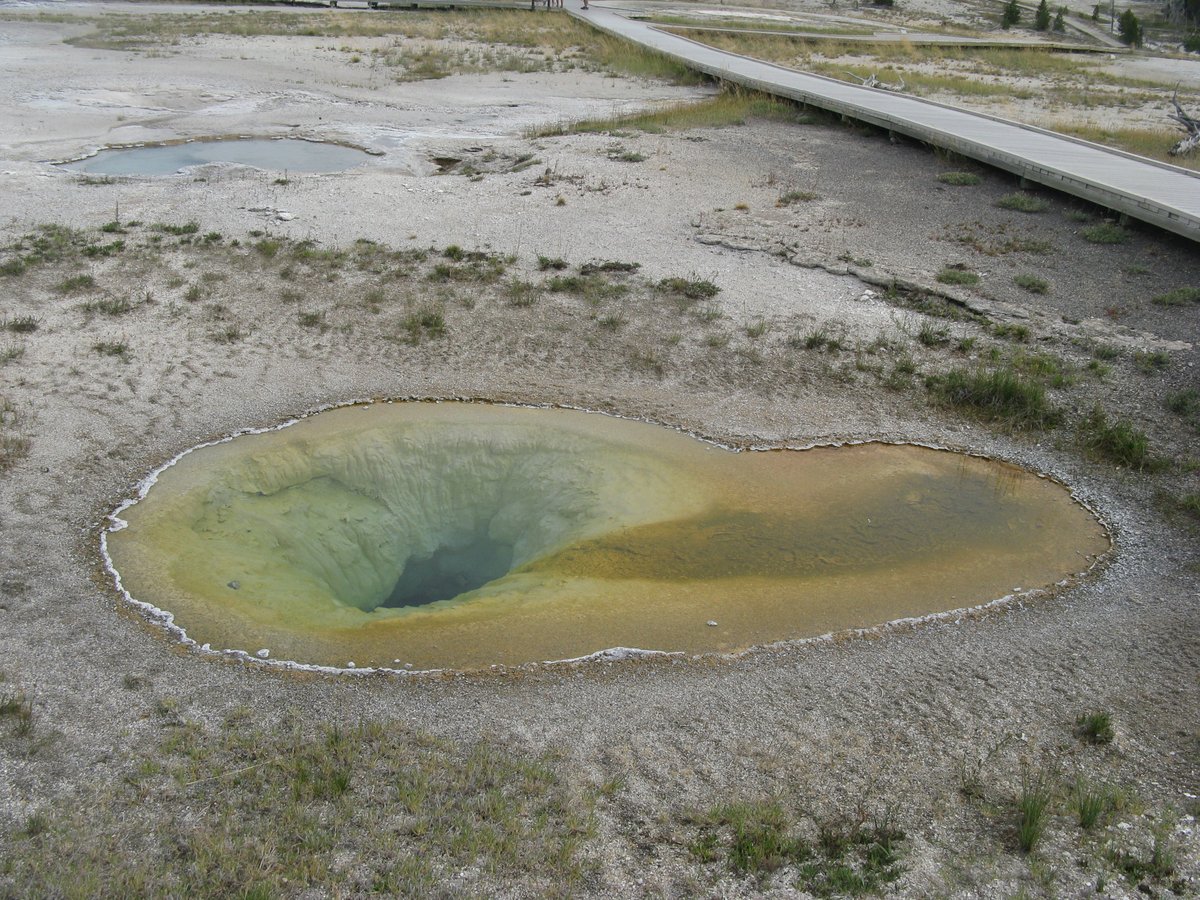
(462,535)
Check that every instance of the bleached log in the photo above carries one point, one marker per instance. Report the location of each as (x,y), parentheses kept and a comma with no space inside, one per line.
(872,81)
(1191,126)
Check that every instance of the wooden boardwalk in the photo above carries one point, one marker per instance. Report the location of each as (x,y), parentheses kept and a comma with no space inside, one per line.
(1153,192)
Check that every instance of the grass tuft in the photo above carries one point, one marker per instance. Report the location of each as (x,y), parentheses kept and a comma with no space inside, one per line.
(1032,804)
(1118,442)
(997,395)
(1091,803)
(1032,284)
(1105,233)
(959,179)
(686,292)
(118,349)
(1022,202)
(957,275)
(1095,728)
(790,197)
(1182,296)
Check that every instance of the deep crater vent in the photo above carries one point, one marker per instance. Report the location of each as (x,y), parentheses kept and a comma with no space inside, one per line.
(461,535)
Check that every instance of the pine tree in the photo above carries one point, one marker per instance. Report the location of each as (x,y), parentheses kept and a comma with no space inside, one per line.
(1041,19)
(1060,23)
(1130,29)
(1011,15)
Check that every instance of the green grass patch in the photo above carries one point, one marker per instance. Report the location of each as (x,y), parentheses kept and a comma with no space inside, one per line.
(754,839)
(1117,442)
(790,197)
(244,811)
(1048,368)
(1090,802)
(997,395)
(1185,403)
(1095,727)
(119,349)
(729,108)
(689,290)
(931,335)
(20,324)
(1105,233)
(424,322)
(1152,362)
(109,306)
(959,179)
(186,228)
(609,267)
(1183,296)
(1009,331)
(1032,284)
(1032,804)
(1022,202)
(957,276)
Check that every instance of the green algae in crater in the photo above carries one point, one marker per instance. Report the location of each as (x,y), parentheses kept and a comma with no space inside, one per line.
(462,535)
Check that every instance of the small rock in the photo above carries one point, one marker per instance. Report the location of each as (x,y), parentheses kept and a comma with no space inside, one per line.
(263,653)
(284,216)
(350,665)
(234,584)
(711,623)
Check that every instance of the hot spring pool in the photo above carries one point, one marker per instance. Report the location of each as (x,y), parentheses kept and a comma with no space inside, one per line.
(461,535)
(273,155)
